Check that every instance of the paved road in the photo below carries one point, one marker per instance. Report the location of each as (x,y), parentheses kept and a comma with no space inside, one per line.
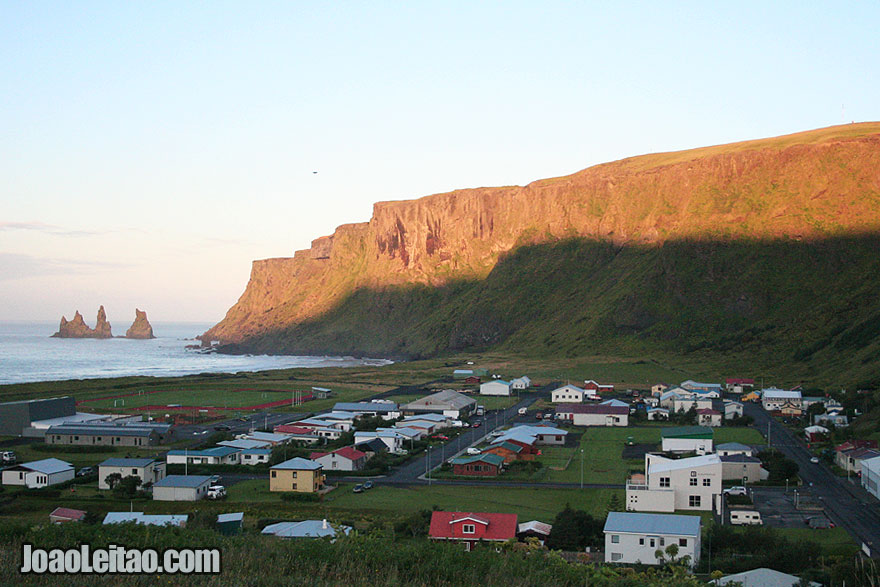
(847,504)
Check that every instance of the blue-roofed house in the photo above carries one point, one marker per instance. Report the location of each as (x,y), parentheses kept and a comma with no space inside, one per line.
(218,455)
(145,519)
(255,456)
(36,474)
(634,537)
(391,438)
(388,410)
(305,529)
(147,469)
(244,443)
(298,475)
(181,488)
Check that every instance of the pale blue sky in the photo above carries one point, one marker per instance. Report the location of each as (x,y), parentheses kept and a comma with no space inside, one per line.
(150,150)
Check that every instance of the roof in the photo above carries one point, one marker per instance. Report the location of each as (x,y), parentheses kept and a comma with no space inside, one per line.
(365,407)
(614,402)
(373,445)
(137,463)
(500,381)
(732,446)
(47,466)
(446,399)
(268,437)
(427,417)
(145,519)
(490,458)
(691,384)
(499,526)
(244,443)
(292,428)
(816,430)
(216,452)
(347,452)
(687,432)
(68,513)
(386,433)
(740,458)
(517,436)
(508,446)
(872,465)
(91,430)
(408,432)
(534,526)
(233,517)
(636,523)
(304,529)
(781,394)
(593,409)
(191,481)
(256,451)
(763,578)
(569,387)
(298,464)
(661,465)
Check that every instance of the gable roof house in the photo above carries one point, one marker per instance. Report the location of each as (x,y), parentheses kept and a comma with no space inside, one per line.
(386,409)
(634,538)
(510,452)
(657,413)
(594,414)
(495,387)
(676,484)
(596,388)
(472,528)
(850,460)
(708,417)
(734,448)
(696,439)
(346,458)
(539,434)
(218,455)
(298,433)
(392,439)
(481,465)
(732,409)
(298,475)
(60,515)
(148,470)
(521,383)
(447,402)
(738,384)
(568,394)
(774,399)
(305,529)
(36,474)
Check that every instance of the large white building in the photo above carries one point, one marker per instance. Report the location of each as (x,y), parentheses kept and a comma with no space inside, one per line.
(871,476)
(568,394)
(495,387)
(676,484)
(38,474)
(635,538)
(521,383)
(773,399)
(594,414)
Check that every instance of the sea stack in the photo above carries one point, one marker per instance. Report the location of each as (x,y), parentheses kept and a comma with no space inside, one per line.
(141,327)
(102,327)
(77,328)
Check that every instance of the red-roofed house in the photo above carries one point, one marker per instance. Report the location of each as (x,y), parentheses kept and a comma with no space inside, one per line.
(595,388)
(471,528)
(302,433)
(739,384)
(347,458)
(60,515)
(708,417)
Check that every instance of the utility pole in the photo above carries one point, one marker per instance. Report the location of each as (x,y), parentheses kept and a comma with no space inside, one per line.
(768,435)
(582,468)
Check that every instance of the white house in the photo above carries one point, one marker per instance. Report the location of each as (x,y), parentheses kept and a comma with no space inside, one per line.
(392,440)
(148,470)
(681,439)
(634,538)
(38,474)
(181,488)
(521,383)
(386,409)
(495,387)
(657,413)
(255,456)
(734,448)
(708,417)
(244,444)
(218,455)
(272,438)
(568,394)
(762,578)
(732,409)
(676,484)
(773,399)
(871,476)
(594,414)
(346,458)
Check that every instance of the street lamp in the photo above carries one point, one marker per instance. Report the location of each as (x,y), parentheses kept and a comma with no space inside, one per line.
(582,468)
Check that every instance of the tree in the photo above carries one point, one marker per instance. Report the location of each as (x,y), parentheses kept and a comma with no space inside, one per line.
(614,504)
(127,486)
(574,530)
(113,479)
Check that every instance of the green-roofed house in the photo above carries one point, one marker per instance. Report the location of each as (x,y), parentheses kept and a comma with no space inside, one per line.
(481,465)
(509,452)
(696,439)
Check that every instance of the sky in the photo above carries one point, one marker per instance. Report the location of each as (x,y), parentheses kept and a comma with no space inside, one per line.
(149,151)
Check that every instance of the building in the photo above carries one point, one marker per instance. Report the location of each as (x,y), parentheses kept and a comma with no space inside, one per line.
(539,434)
(871,476)
(815,433)
(230,524)
(371,447)
(107,435)
(774,399)
(392,439)
(36,474)
(447,402)
(296,474)
(509,452)
(15,417)
(713,389)
(388,410)
(298,433)
(568,394)
(218,455)
(596,388)
(534,529)
(63,515)
(732,410)
(143,519)
(472,528)
(271,438)
(243,444)
(255,456)
(734,448)
(676,484)
(836,419)
(346,458)
(324,428)
(521,383)
(657,413)
(709,417)
(481,465)
(696,439)
(181,488)
(658,388)
(742,468)
(851,459)
(762,578)
(305,529)
(634,538)
(495,387)
(593,414)
(148,470)
(738,385)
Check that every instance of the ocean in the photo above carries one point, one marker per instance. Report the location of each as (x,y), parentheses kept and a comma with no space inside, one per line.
(28,353)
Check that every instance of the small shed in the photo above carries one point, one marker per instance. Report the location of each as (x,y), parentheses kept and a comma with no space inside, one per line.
(230,524)
(181,488)
(61,515)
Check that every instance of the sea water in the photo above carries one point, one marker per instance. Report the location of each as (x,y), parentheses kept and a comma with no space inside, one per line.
(28,353)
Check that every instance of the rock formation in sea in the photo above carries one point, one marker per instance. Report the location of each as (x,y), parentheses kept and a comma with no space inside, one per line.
(141,327)
(77,328)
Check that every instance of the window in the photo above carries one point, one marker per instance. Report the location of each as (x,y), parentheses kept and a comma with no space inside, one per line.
(653,543)
(293,485)
(664,481)
(662,542)
(274,474)
(682,541)
(615,539)
(294,474)
(707,482)
(694,501)
(468,528)
(616,556)
(641,541)
(693,481)
(134,471)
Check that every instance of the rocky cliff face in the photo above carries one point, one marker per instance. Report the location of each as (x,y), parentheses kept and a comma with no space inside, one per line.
(77,328)
(806,187)
(140,328)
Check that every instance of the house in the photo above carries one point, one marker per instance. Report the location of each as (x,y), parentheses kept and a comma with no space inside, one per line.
(346,458)
(323,428)
(143,519)
(696,439)
(481,465)
(472,380)
(387,410)
(230,524)
(36,474)
(521,383)
(393,441)
(243,444)
(614,402)
(752,396)
(851,460)
(815,433)
(255,456)
(148,470)
(732,409)
(462,373)
(657,413)
(540,434)
(108,435)
(296,474)
(533,529)
(712,389)
(738,385)
(596,388)
(271,438)
(734,448)
(568,394)
(527,442)
(218,455)
(676,484)
(593,414)
(408,434)
(495,387)
(510,452)
(472,528)
(763,578)
(658,388)
(709,417)
(371,447)
(305,529)
(790,409)
(181,488)
(836,419)
(62,515)
(298,433)
(774,399)
(871,476)
(742,468)
(423,426)
(634,538)
(447,402)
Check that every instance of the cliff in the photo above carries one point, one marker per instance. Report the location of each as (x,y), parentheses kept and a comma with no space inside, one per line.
(77,328)
(422,277)
(141,327)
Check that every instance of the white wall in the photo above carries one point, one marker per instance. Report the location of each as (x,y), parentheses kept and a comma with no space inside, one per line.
(180,493)
(698,445)
(145,473)
(635,548)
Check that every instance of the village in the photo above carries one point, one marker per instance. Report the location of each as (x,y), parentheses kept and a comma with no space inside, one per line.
(674,459)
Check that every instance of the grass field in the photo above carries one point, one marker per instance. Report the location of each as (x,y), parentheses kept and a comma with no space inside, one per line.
(603,455)
(743,435)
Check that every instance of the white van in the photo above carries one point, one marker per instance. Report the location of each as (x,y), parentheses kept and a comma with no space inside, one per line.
(745,518)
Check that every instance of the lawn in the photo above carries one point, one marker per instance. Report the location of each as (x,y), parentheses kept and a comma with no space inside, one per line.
(737,434)
(834,541)
(602,455)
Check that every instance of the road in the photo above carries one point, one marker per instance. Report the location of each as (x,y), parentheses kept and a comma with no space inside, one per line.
(846,503)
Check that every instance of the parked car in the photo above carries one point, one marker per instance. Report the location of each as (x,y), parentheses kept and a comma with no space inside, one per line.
(476,425)
(815,460)
(522,411)
(9,457)
(216,492)
(736,490)
(358,489)
(368,485)
(86,471)
(223,428)
(440,437)
(473,451)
